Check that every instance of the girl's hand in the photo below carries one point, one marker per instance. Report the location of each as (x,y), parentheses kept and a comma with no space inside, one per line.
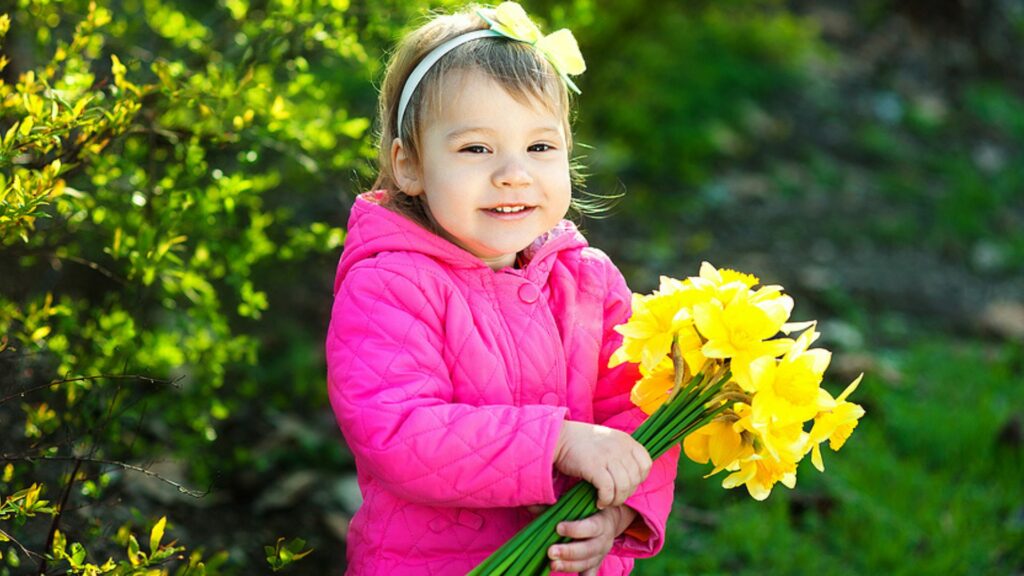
(609,459)
(592,539)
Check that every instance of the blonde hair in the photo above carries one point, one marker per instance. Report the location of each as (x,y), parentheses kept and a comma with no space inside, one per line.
(519,68)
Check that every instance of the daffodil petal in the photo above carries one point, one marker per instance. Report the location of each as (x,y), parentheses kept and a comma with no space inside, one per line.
(758,492)
(816,458)
(695,446)
(717,349)
(709,272)
(849,389)
(791,327)
(741,477)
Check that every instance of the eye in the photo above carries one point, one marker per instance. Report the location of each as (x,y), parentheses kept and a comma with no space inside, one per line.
(474,149)
(542,147)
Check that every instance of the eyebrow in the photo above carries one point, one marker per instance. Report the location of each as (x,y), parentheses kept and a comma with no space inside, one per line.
(461,131)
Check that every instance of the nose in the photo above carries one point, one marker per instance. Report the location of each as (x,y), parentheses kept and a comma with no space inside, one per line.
(512,173)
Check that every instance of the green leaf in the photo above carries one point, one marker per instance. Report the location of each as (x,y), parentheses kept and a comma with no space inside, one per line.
(77,554)
(157,534)
(26,126)
(295,549)
(59,544)
(134,556)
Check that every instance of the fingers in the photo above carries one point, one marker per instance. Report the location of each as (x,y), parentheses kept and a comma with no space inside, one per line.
(592,539)
(628,476)
(579,555)
(624,478)
(644,462)
(607,458)
(584,529)
(604,482)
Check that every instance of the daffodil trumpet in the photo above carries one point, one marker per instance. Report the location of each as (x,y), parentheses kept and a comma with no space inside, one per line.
(716,378)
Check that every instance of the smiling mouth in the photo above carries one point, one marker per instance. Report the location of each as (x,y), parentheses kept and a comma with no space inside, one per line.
(508,209)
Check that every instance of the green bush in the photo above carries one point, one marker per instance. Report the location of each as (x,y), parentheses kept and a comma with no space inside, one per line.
(161,164)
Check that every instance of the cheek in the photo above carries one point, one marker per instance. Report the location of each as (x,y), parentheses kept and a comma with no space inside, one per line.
(561,184)
(445,207)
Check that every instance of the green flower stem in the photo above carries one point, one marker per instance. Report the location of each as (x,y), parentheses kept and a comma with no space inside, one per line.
(531,543)
(674,410)
(583,505)
(668,410)
(694,415)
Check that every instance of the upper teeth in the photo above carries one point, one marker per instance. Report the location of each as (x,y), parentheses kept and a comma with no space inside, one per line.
(509,209)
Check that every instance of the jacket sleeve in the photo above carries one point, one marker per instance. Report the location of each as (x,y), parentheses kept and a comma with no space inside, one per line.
(612,407)
(392,395)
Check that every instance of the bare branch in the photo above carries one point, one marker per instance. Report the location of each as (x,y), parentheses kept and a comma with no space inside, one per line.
(123,465)
(24,550)
(94,266)
(37,387)
(55,525)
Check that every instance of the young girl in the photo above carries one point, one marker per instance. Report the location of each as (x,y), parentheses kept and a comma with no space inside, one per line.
(472,326)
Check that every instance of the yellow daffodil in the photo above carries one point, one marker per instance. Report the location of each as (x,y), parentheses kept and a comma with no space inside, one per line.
(686,293)
(742,326)
(740,329)
(691,348)
(801,370)
(719,442)
(779,434)
(787,390)
(781,448)
(760,473)
(649,332)
(653,389)
(729,276)
(778,401)
(685,296)
(719,317)
(723,276)
(835,424)
(721,284)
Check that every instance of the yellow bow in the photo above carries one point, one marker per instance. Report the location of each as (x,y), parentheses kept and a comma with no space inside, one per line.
(560,48)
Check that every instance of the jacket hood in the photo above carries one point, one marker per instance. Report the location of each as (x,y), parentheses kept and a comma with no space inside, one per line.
(374,230)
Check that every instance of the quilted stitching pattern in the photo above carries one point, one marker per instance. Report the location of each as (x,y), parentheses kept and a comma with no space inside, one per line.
(450,388)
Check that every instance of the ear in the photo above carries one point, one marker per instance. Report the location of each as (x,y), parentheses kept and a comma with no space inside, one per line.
(407,172)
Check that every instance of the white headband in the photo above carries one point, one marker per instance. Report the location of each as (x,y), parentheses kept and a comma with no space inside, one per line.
(424,66)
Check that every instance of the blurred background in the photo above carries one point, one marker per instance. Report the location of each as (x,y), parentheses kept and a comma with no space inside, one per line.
(176,177)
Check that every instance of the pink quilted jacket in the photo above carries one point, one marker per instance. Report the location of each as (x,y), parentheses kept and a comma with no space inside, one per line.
(451,381)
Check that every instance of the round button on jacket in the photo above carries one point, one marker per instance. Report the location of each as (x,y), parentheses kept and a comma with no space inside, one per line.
(529,293)
(549,398)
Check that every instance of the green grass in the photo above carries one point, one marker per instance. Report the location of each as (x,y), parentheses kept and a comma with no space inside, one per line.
(924,486)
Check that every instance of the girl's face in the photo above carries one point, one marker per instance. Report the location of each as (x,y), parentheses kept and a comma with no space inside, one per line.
(493,172)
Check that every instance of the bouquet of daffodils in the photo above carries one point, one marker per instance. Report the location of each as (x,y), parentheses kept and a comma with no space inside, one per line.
(718,377)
